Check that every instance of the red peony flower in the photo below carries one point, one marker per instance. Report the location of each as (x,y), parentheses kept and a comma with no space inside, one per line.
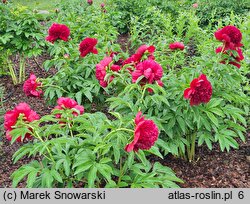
(115,68)
(200,91)
(133,59)
(176,45)
(230,36)
(58,31)
(31,87)
(90,2)
(145,134)
(144,49)
(68,103)
(11,118)
(151,71)
(101,71)
(88,46)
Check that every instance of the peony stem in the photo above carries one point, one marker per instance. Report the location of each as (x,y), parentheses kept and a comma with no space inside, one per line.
(12,72)
(119,129)
(38,137)
(51,85)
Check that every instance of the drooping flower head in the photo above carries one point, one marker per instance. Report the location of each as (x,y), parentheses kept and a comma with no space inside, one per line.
(11,117)
(58,31)
(145,134)
(150,70)
(88,46)
(68,103)
(230,36)
(176,45)
(31,87)
(200,91)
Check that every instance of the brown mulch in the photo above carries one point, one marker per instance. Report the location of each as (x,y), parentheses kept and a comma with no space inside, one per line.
(212,168)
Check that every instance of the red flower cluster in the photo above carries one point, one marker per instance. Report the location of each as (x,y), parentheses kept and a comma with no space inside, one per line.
(231,38)
(200,91)
(150,70)
(143,52)
(102,68)
(145,134)
(176,45)
(31,87)
(58,31)
(88,46)
(11,118)
(68,103)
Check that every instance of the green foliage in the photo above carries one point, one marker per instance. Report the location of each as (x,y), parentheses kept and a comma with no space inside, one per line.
(222,120)
(88,149)
(76,75)
(123,11)
(211,11)
(20,34)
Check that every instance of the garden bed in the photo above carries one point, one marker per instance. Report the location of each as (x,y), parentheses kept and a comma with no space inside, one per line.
(212,169)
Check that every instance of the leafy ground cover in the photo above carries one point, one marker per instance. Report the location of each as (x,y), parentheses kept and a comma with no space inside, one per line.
(36,4)
(154,94)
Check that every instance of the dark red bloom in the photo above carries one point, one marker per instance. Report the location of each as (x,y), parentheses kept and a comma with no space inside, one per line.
(230,36)
(88,46)
(145,134)
(151,71)
(31,87)
(200,91)
(11,118)
(90,2)
(176,45)
(58,31)
(68,103)
(230,55)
